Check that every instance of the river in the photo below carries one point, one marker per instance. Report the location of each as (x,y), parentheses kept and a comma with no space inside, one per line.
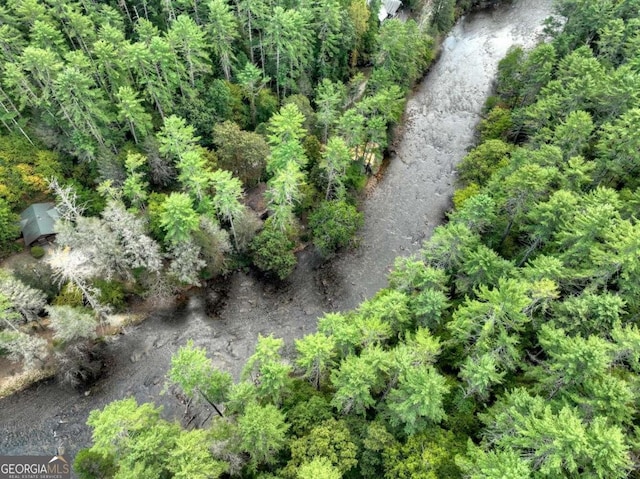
(400,213)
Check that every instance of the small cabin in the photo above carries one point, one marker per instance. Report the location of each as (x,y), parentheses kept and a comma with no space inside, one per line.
(36,223)
(388,9)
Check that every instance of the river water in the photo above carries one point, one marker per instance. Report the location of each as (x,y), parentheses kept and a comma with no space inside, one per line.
(400,212)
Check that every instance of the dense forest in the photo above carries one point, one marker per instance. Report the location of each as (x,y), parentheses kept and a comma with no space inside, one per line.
(507,349)
(147,122)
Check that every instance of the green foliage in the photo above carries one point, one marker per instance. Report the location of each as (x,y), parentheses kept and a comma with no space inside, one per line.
(177,218)
(334,225)
(194,373)
(267,371)
(390,307)
(580,369)
(191,457)
(9,230)
(287,125)
(111,293)
(417,401)
(353,382)
(37,252)
(479,464)
(403,52)
(304,106)
(24,171)
(318,468)
(330,440)
(329,98)
(90,464)
(155,213)
(355,179)
(316,354)
(557,440)
(124,415)
(427,455)
(513,328)
(410,275)
(496,125)
(70,295)
(446,247)
(143,445)
(241,152)
(375,441)
(335,161)
(285,165)
(619,142)
(492,322)
(442,16)
(263,432)
(226,201)
(461,196)
(482,266)
(240,395)
(307,414)
(272,251)
(480,374)
(478,166)
(573,135)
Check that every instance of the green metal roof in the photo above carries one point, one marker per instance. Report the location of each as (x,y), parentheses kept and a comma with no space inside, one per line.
(38,220)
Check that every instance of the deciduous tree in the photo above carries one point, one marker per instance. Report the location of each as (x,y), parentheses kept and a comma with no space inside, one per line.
(334,225)
(243,153)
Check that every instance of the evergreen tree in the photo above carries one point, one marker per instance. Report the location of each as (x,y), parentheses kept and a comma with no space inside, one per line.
(178,219)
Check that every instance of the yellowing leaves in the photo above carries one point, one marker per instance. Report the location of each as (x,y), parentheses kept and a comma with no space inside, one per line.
(24,170)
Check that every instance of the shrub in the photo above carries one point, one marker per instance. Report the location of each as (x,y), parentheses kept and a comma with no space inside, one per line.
(334,225)
(90,464)
(247,225)
(9,230)
(355,179)
(462,195)
(70,295)
(483,161)
(37,275)
(305,415)
(111,292)
(272,251)
(496,125)
(37,252)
